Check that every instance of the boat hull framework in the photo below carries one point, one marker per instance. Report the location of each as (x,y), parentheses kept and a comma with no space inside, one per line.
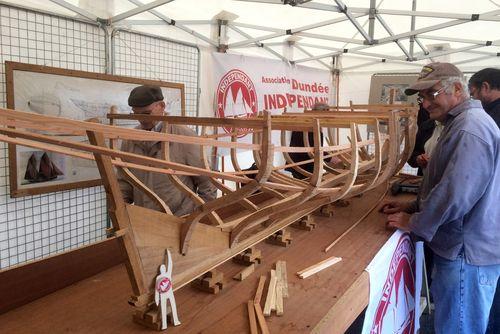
(253,204)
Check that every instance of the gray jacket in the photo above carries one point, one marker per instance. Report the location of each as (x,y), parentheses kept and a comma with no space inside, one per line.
(178,201)
(459,206)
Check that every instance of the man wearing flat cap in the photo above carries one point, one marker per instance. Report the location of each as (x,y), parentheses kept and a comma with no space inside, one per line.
(457,212)
(148,100)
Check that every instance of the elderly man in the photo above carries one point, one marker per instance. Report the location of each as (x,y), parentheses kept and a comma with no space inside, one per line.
(484,86)
(148,100)
(457,212)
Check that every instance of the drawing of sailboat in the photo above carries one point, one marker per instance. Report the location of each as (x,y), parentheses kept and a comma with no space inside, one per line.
(47,170)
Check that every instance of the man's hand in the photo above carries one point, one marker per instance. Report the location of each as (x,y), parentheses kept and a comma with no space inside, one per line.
(422,160)
(389,207)
(399,220)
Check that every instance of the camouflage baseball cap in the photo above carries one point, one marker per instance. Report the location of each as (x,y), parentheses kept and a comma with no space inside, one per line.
(431,74)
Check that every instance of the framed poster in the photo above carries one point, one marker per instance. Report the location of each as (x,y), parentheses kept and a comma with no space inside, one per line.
(75,95)
(382,85)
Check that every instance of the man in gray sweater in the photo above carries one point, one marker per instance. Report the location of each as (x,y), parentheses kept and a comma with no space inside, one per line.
(148,100)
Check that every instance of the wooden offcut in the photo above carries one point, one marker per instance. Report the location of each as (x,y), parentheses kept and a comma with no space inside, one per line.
(271,295)
(245,273)
(318,267)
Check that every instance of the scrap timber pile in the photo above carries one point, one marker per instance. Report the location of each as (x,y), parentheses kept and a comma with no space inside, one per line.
(260,202)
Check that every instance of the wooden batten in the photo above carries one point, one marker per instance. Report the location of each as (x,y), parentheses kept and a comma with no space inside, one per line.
(318,267)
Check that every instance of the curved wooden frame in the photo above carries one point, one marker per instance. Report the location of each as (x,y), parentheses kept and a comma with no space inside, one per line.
(241,217)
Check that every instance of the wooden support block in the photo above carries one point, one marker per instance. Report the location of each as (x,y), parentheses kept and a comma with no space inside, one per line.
(271,294)
(251,317)
(244,273)
(249,256)
(155,326)
(342,203)
(141,301)
(149,317)
(327,210)
(305,223)
(211,282)
(318,267)
(281,238)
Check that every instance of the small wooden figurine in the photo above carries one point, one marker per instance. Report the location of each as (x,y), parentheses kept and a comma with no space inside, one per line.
(164,292)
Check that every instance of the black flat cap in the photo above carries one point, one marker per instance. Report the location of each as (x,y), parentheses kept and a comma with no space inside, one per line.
(142,96)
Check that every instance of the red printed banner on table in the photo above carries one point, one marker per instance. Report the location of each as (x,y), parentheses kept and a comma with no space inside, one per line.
(395,284)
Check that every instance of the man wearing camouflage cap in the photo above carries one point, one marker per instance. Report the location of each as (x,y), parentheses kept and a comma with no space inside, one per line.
(148,100)
(457,212)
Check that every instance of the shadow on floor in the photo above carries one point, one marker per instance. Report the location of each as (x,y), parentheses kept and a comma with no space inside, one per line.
(426,324)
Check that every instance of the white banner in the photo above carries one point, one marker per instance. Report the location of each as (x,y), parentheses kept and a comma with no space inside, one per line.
(395,284)
(246,85)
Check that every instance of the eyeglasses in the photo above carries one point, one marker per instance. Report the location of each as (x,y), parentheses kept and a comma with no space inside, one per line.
(431,96)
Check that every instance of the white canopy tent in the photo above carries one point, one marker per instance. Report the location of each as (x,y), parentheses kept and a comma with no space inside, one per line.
(355,37)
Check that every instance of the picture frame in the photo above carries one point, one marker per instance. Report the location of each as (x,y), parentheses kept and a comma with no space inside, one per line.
(381,85)
(71,94)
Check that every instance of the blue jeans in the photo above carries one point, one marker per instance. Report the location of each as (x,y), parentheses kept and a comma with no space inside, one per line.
(494,324)
(463,295)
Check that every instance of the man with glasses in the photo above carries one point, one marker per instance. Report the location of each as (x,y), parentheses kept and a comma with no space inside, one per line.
(148,100)
(457,212)
(484,86)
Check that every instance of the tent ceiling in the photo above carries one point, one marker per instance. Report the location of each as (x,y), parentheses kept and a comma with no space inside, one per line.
(311,31)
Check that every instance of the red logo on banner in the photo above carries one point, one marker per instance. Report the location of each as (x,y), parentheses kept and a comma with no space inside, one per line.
(236,97)
(396,309)
(164,285)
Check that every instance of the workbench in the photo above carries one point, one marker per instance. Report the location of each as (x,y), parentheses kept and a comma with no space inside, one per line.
(327,302)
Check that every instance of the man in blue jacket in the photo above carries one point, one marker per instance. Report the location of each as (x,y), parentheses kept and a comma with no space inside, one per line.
(484,86)
(457,212)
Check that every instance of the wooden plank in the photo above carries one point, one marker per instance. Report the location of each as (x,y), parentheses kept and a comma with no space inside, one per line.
(260,289)
(262,321)
(279,298)
(251,317)
(318,267)
(69,267)
(284,278)
(271,295)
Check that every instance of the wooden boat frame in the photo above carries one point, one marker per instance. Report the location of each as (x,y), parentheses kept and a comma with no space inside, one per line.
(258,206)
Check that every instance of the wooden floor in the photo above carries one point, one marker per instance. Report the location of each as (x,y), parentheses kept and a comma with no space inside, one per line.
(326,302)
